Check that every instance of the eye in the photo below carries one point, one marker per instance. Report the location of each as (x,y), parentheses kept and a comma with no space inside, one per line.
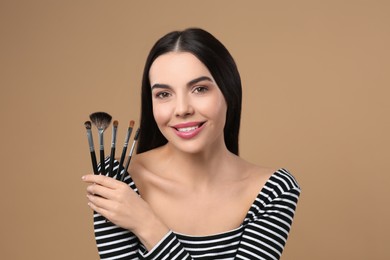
(200,90)
(162,94)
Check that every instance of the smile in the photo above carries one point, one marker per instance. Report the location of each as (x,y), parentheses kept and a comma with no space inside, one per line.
(188,130)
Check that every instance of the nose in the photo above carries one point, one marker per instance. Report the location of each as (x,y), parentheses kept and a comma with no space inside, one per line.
(184,107)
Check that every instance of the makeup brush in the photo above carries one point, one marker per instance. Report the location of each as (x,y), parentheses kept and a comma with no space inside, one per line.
(127,138)
(113,146)
(87,125)
(130,154)
(101,120)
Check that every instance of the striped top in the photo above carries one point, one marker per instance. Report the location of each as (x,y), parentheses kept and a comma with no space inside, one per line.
(262,234)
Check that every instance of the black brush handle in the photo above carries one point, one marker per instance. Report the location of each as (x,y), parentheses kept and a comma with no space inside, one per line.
(123,156)
(111,166)
(94,163)
(125,168)
(120,166)
(102,163)
(130,154)
(92,149)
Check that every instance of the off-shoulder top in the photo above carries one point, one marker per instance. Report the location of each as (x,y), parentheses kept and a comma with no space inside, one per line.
(262,234)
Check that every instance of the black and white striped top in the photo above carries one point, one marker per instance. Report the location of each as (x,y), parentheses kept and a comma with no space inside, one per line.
(262,234)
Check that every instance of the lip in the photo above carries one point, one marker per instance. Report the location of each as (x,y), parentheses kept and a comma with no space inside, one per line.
(191,133)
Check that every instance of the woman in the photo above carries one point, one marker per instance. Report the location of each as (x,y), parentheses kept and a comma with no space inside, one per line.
(189,195)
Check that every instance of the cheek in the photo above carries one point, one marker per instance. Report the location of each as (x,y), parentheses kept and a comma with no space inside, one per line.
(222,109)
(161,113)
(215,109)
(221,113)
(216,106)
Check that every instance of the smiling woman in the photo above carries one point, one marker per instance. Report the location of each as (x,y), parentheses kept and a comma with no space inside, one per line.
(189,195)
(220,65)
(188,106)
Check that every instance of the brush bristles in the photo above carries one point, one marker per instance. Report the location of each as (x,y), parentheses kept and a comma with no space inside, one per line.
(131,124)
(100,119)
(116,123)
(87,124)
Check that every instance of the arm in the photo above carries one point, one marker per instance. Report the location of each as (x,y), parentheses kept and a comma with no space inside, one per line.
(168,248)
(265,236)
(114,242)
(131,221)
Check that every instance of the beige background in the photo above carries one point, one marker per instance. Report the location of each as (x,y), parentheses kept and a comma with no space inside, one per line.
(316,89)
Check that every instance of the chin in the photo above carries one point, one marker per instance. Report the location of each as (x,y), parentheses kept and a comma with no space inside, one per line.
(189,148)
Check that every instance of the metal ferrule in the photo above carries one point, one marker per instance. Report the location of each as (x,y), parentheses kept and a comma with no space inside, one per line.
(90,140)
(127,138)
(113,143)
(101,141)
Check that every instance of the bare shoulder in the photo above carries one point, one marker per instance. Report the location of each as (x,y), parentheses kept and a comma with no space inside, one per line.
(262,172)
(254,171)
(256,176)
(140,163)
(145,169)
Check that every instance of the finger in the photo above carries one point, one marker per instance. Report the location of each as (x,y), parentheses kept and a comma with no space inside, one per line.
(97,209)
(98,202)
(96,189)
(101,180)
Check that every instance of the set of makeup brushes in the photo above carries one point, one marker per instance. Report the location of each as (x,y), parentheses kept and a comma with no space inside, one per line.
(102,120)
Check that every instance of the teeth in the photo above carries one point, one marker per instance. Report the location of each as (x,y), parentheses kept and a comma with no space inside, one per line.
(187,129)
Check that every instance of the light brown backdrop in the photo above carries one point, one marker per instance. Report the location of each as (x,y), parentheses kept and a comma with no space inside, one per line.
(316,89)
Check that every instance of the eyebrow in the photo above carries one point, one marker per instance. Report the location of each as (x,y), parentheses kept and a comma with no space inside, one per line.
(190,83)
(202,78)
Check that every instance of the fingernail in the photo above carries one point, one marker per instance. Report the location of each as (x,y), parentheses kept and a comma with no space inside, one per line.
(83,177)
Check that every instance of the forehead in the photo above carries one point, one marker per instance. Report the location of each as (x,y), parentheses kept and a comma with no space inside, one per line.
(177,67)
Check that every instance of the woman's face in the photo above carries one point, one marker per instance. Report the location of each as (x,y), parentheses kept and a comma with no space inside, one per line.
(188,106)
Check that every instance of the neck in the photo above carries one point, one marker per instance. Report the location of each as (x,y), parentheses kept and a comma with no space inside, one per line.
(199,169)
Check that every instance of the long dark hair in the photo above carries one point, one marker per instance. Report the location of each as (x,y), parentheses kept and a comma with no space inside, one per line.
(213,54)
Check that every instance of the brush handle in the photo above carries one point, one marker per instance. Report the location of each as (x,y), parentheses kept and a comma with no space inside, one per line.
(112,155)
(120,166)
(92,150)
(102,163)
(94,163)
(130,155)
(123,156)
(111,166)
(125,168)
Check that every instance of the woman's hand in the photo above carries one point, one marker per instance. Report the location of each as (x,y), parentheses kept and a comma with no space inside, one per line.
(118,203)
(115,200)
